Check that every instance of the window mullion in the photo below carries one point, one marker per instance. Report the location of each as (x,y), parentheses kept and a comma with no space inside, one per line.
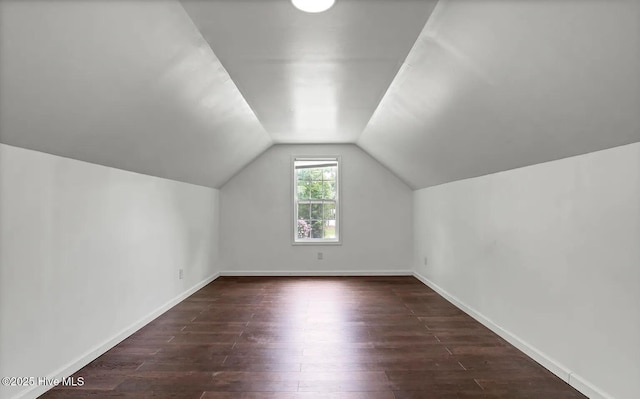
(321,200)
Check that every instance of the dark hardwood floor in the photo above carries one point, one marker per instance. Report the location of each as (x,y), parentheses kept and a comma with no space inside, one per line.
(315,337)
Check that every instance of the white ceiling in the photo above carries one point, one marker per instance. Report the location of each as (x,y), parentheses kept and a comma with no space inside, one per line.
(193,91)
(493,85)
(128,84)
(311,77)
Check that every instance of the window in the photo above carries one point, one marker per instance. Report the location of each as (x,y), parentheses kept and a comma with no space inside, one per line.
(316,201)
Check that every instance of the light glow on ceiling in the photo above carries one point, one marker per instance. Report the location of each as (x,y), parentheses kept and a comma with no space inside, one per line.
(313,6)
(315,108)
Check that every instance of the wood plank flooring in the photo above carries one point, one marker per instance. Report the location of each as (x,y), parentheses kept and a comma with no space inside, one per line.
(315,338)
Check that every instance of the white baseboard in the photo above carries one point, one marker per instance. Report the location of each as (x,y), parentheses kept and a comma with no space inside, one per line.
(546,361)
(100,349)
(586,388)
(318,273)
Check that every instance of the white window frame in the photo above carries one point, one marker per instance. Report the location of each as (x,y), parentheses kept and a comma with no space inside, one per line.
(294,190)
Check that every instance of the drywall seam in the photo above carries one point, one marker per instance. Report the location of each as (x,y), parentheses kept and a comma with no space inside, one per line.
(545,360)
(102,348)
(257,273)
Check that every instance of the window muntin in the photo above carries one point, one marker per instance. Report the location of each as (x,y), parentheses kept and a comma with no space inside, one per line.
(316,210)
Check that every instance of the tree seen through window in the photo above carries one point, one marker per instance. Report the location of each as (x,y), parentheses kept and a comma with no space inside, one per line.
(316,182)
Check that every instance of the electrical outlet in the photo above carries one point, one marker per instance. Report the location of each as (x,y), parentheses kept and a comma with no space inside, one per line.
(180,274)
(320,256)
(425,260)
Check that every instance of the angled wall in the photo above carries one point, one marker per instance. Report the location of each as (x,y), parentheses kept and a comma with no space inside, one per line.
(128,84)
(494,85)
(256,221)
(88,254)
(547,255)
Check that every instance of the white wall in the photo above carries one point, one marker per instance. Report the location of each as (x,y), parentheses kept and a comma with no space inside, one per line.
(256,222)
(87,253)
(550,254)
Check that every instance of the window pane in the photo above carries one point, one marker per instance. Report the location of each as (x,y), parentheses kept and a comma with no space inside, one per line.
(329,190)
(329,229)
(315,190)
(304,229)
(303,190)
(303,211)
(316,211)
(329,211)
(303,174)
(329,173)
(315,174)
(316,229)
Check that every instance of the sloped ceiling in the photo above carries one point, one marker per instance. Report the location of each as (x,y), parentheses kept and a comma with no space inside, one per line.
(496,85)
(193,91)
(311,78)
(128,84)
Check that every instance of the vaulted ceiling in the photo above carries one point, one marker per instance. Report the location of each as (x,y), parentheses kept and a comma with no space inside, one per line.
(436,91)
(311,77)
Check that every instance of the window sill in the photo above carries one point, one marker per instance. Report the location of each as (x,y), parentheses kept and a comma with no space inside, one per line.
(312,242)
